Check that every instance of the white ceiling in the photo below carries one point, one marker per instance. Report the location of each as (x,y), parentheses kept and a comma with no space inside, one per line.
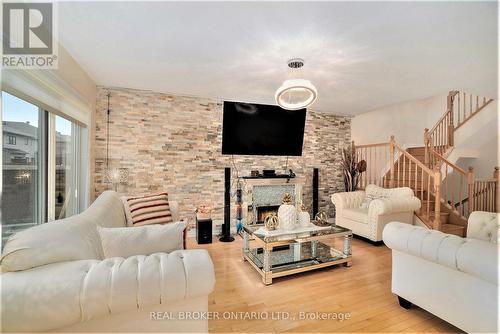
(360,55)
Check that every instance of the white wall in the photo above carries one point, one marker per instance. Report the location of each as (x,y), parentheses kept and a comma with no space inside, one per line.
(406,121)
(476,143)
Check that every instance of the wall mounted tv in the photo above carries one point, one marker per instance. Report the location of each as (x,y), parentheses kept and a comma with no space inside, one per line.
(259,129)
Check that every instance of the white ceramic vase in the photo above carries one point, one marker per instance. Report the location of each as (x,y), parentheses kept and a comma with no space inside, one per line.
(287,214)
(304,219)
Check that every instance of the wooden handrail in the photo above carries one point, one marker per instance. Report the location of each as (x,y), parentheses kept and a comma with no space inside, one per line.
(412,158)
(390,165)
(437,181)
(372,145)
(460,108)
(474,113)
(449,163)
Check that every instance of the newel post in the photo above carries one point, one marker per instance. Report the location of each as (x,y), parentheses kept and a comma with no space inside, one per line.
(496,176)
(391,163)
(437,197)
(470,188)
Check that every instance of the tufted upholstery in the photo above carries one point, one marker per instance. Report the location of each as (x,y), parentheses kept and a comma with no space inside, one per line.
(396,204)
(89,289)
(46,288)
(484,226)
(452,277)
(472,256)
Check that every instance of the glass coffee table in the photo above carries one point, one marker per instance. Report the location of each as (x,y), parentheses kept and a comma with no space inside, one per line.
(281,253)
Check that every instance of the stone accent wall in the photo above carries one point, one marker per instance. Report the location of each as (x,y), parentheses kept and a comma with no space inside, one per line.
(173,143)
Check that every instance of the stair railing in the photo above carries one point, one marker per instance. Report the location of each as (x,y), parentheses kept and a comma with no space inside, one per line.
(485,193)
(464,106)
(462,192)
(390,165)
(455,184)
(460,107)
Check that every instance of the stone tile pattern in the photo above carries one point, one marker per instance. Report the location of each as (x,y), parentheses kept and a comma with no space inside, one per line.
(173,143)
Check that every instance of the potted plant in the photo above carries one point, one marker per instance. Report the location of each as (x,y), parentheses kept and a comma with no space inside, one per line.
(351,168)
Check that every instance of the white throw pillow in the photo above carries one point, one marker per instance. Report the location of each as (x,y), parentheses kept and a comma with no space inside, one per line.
(141,240)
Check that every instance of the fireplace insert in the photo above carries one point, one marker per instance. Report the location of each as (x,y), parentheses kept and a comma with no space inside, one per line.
(263,211)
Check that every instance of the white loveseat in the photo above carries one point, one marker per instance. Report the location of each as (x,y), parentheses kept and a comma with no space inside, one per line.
(396,204)
(452,277)
(56,279)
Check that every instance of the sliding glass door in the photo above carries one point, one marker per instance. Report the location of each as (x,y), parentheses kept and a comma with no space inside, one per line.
(43,170)
(66,168)
(22,164)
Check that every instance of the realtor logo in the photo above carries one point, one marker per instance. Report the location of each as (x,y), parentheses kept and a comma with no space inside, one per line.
(28,35)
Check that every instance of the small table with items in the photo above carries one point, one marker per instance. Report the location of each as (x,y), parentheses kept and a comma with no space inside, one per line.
(280,253)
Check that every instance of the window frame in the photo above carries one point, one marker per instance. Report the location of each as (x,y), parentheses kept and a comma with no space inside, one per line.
(47,159)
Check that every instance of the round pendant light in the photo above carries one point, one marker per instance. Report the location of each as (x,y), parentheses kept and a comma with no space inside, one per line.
(297,93)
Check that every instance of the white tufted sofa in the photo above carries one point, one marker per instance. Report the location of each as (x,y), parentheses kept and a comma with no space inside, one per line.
(454,278)
(56,279)
(396,204)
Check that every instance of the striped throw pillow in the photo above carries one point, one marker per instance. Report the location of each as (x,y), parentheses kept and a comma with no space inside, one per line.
(148,209)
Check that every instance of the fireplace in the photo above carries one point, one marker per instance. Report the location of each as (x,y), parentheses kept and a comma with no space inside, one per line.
(264,195)
(263,211)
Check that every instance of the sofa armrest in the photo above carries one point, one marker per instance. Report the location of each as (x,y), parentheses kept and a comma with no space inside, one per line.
(385,206)
(484,226)
(120,284)
(346,200)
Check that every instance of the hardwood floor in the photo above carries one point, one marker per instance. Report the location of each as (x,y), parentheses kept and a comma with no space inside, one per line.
(363,291)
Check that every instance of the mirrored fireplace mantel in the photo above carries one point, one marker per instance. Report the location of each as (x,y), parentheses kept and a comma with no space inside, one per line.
(268,192)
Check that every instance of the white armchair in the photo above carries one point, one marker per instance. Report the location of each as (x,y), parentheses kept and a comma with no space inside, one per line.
(367,212)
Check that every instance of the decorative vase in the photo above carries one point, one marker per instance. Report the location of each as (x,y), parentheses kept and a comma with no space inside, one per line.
(304,218)
(287,214)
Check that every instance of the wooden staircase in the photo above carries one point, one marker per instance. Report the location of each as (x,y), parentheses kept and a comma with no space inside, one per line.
(448,194)
(410,175)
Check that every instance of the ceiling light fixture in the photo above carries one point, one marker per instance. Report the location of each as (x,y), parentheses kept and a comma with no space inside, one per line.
(296,93)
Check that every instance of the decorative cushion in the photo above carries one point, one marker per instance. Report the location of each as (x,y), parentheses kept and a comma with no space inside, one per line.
(373,190)
(142,240)
(147,209)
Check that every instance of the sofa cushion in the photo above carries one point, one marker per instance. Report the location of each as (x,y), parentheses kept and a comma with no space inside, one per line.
(359,215)
(142,240)
(72,238)
(375,191)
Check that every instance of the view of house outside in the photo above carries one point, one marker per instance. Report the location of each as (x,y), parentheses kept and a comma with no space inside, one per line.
(22,166)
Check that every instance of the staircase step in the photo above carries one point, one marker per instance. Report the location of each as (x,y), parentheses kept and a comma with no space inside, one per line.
(430,218)
(407,167)
(454,229)
(416,150)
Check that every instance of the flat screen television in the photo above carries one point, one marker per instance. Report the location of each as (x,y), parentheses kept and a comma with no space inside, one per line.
(259,129)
